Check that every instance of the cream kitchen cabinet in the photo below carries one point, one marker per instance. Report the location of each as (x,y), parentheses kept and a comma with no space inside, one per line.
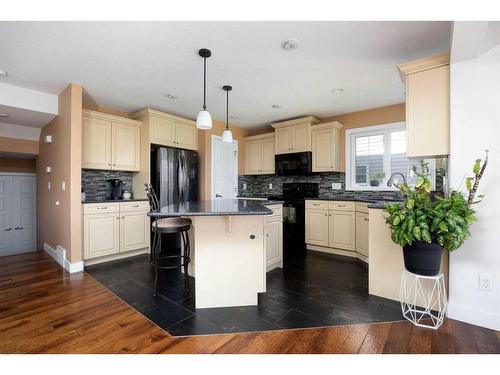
(274,237)
(342,230)
(317,226)
(259,154)
(427,106)
(293,135)
(331,226)
(362,225)
(325,140)
(169,130)
(112,229)
(110,142)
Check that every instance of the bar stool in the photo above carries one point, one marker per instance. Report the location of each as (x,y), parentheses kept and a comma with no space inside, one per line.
(160,261)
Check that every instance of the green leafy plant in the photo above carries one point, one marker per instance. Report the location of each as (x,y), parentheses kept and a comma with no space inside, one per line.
(434,219)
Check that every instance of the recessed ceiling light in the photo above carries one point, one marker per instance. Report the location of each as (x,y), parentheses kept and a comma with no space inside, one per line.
(4,115)
(290,44)
(172,96)
(232,117)
(276,106)
(338,90)
(3,73)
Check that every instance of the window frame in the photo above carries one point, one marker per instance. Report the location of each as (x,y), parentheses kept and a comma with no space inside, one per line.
(350,157)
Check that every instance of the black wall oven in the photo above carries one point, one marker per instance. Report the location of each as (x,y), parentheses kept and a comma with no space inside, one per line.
(296,164)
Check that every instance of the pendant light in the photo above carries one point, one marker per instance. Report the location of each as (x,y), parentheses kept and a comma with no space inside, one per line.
(204,120)
(227,136)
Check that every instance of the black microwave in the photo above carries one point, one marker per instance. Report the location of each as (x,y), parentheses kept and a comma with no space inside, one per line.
(296,164)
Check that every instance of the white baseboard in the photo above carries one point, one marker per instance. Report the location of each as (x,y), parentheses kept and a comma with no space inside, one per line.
(59,255)
(474,316)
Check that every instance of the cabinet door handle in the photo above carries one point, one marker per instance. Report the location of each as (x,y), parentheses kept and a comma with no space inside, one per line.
(118,218)
(326,214)
(366,219)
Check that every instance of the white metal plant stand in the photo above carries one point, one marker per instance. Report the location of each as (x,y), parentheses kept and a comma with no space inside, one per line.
(423,299)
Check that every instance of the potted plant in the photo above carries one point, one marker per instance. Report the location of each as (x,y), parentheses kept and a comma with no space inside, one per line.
(425,224)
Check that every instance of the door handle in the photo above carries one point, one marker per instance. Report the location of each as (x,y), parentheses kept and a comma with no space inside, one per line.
(8,229)
(18,228)
(218,196)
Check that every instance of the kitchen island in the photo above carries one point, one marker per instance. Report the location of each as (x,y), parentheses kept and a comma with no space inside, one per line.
(228,249)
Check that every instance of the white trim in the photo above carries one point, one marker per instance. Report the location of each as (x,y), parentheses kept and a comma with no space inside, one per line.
(59,255)
(212,180)
(477,317)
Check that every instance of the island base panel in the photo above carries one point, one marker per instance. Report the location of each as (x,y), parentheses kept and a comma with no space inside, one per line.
(229,263)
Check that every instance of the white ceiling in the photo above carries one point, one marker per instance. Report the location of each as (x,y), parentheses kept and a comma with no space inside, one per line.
(132,65)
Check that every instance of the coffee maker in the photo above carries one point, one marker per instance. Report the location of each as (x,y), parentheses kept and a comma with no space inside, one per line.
(114,189)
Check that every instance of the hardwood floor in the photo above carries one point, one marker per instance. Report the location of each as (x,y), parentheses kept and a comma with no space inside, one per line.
(43,309)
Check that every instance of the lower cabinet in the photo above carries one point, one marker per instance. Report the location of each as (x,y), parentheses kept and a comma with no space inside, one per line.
(341,230)
(113,228)
(362,224)
(317,226)
(337,225)
(274,238)
(101,234)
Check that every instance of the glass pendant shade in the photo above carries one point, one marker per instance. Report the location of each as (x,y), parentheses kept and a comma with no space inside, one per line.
(204,120)
(227,136)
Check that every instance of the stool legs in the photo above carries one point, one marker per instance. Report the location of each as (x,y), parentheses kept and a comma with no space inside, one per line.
(156,260)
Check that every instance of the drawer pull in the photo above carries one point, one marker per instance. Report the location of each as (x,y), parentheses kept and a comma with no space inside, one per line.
(102,208)
(315,204)
(366,219)
(341,205)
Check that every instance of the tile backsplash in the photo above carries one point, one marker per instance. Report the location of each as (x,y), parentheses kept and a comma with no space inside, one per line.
(95,186)
(259,185)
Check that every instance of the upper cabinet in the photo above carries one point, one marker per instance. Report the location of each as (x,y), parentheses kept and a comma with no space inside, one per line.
(169,130)
(325,140)
(427,106)
(259,154)
(293,135)
(110,142)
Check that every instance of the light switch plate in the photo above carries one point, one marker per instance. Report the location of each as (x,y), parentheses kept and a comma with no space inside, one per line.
(336,186)
(270,186)
(63,186)
(244,186)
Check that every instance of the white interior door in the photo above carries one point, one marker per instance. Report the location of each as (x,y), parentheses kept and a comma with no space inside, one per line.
(17,214)
(6,226)
(224,169)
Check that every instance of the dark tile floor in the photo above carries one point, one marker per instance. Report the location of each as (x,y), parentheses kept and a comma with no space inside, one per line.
(320,290)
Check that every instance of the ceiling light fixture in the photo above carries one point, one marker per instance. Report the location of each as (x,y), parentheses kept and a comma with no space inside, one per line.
(172,96)
(276,106)
(3,73)
(290,44)
(227,136)
(204,119)
(4,115)
(338,90)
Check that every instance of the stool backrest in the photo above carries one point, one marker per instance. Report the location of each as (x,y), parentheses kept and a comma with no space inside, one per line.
(154,204)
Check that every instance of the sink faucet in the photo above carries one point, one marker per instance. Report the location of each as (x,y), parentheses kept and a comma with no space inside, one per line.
(390,183)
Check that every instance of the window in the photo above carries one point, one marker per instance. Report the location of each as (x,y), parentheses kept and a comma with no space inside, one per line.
(374,153)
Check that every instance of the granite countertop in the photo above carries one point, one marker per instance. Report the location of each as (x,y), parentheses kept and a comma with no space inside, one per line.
(222,207)
(373,202)
(116,201)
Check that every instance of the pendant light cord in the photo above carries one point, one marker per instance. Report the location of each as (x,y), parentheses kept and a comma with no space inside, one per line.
(227,110)
(204,83)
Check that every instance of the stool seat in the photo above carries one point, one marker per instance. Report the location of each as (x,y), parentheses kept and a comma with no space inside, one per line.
(172,222)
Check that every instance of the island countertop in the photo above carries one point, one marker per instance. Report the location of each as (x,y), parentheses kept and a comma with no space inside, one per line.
(220,207)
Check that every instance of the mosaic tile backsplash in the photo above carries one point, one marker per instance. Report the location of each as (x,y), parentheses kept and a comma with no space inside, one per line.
(259,185)
(95,186)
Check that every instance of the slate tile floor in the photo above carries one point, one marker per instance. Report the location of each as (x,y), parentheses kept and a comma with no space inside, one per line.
(320,290)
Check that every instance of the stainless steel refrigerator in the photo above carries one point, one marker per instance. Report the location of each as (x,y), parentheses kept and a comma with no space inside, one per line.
(174,174)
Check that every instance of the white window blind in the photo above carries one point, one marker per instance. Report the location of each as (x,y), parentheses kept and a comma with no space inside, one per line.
(374,153)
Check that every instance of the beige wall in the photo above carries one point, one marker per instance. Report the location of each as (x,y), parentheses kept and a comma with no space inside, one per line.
(17,165)
(369,117)
(205,154)
(22,146)
(61,225)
